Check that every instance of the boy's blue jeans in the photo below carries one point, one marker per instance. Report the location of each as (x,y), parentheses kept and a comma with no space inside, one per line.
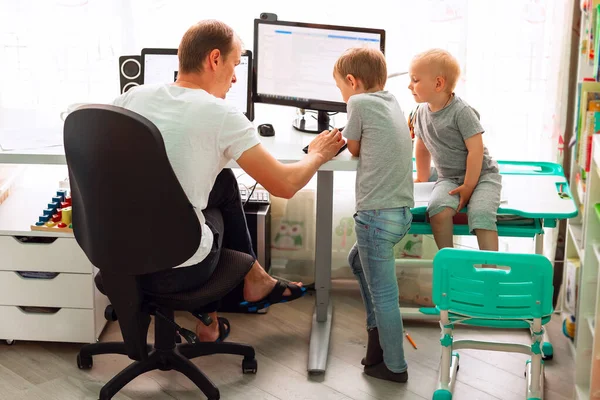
(373,263)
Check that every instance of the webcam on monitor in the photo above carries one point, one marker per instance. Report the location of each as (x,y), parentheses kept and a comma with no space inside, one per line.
(268,16)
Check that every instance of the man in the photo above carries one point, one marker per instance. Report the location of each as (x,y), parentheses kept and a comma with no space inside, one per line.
(202,133)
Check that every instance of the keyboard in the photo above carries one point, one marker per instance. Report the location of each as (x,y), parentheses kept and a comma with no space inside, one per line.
(260,196)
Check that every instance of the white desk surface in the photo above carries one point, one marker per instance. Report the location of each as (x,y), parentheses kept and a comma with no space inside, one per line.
(286,145)
(532,195)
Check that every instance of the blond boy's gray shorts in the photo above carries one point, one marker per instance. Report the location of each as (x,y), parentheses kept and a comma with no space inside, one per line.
(482,207)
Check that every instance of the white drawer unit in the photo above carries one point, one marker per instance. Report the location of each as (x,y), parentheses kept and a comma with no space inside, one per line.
(47,290)
(39,300)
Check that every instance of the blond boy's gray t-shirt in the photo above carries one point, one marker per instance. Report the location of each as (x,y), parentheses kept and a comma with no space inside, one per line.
(384,178)
(444,133)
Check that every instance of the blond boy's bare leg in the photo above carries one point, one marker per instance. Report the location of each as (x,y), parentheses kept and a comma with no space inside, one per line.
(487,239)
(443,228)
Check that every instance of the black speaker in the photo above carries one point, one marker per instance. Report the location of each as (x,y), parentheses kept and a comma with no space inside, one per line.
(130,72)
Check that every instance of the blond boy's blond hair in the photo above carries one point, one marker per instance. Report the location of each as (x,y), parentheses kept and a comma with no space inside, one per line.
(365,64)
(441,63)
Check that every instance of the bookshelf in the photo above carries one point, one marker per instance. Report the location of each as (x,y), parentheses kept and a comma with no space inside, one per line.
(581,283)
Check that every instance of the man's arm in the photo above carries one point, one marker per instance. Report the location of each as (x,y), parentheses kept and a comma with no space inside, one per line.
(284,180)
(423,161)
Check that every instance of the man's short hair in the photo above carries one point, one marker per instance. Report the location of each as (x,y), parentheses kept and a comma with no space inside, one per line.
(200,40)
(365,64)
(441,63)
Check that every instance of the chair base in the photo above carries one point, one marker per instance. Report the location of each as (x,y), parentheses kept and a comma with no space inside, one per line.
(177,359)
(445,391)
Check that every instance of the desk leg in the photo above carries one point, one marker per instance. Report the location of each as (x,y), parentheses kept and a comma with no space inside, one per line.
(547,348)
(321,323)
(539,243)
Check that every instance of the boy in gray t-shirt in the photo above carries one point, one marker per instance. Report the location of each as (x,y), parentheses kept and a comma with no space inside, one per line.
(448,131)
(378,135)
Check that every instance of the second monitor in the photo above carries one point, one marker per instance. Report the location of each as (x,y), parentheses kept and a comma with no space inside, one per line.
(161,66)
(293,65)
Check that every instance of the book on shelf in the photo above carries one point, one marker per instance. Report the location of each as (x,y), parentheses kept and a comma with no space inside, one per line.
(588,98)
(591,127)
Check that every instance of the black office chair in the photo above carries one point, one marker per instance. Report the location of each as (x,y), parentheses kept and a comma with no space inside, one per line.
(131,217)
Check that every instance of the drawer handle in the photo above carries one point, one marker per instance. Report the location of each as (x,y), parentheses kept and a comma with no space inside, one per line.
(37,275)
(35,239)
(39,310)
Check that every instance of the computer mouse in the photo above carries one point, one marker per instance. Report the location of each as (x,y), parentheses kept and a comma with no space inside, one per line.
(266,130)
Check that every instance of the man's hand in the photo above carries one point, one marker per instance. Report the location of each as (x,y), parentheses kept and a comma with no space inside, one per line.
(465,192)
(327,144)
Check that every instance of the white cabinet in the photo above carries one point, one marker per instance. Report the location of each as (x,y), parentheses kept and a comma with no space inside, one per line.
(47,290)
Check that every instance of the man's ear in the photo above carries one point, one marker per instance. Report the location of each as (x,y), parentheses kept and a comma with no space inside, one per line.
(352,81)
(440,83)
(214,58)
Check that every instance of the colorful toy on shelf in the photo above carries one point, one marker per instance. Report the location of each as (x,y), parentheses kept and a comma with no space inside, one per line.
(569,327)
(58,216)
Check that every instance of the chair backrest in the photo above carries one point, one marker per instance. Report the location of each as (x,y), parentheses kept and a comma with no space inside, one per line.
(130,214)
(520,288)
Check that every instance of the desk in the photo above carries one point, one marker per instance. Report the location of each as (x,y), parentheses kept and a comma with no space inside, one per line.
(287,146)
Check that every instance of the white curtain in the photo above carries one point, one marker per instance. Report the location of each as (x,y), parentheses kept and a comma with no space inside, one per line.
(57,52)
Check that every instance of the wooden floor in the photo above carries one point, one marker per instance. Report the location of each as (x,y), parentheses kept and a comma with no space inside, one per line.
(46,371)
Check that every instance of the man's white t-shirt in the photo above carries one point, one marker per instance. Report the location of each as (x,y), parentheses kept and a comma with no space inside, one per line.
(202,134)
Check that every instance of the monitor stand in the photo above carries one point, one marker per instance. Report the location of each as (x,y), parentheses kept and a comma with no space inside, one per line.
(306,122)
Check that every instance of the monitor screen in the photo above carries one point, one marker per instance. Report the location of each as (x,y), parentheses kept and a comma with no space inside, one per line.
(161,66)
(294,61)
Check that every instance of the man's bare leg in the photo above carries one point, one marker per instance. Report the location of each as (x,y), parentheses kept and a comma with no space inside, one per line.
(257,285)
(208,333)
(443,228)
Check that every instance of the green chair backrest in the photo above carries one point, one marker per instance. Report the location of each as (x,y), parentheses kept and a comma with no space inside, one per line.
(519,288)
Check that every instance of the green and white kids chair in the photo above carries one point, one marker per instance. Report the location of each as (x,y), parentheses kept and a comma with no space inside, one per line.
(515,294)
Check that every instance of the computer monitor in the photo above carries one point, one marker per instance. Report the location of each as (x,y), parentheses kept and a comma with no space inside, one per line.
(162,65)
(293,65)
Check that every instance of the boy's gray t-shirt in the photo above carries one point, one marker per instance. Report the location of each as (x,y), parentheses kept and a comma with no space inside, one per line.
(444,133)
(384,178)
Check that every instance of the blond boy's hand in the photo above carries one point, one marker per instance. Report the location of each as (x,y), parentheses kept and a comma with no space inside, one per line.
(464,192)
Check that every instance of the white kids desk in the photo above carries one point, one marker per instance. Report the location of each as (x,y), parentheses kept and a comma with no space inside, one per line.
(531,190)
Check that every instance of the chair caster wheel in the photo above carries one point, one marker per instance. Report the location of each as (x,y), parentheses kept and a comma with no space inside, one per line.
(249,366)
(10,342)
(109,313)
(84,362)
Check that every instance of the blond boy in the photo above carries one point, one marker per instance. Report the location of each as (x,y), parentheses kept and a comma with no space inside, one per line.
(448,131)
(377,134)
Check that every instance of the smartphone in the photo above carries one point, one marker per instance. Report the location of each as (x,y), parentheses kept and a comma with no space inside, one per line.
(342,149)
